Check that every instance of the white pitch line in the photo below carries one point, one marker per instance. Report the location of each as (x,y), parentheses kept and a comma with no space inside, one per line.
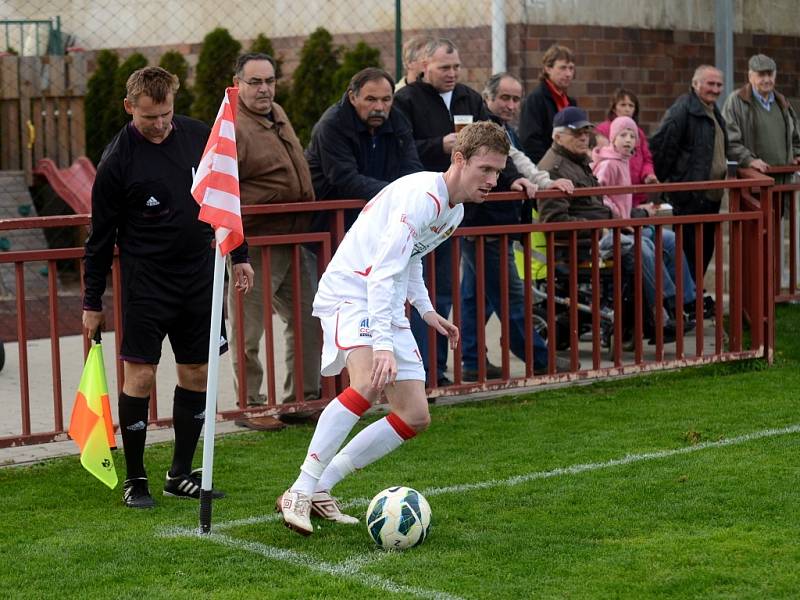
(557,472)
(349,568)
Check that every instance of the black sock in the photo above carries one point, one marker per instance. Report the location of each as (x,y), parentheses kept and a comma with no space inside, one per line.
(133,426)
(188,416)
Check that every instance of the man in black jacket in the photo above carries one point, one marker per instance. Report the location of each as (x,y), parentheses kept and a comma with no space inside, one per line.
(542,104)
(431,106)
(141,201)
(690,145)
(360,145)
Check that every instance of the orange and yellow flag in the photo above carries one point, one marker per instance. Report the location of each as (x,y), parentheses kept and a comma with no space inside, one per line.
(91,426)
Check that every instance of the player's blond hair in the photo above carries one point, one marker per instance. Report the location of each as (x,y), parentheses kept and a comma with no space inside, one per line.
(153,82)
(483,134)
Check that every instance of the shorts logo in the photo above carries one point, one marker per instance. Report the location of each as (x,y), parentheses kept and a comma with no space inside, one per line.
(363,328)
(151,202)
(222,341)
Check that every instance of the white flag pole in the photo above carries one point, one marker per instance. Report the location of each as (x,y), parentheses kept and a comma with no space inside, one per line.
(211,391)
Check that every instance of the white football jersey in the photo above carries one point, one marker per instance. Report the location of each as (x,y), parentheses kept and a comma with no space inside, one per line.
(378,263)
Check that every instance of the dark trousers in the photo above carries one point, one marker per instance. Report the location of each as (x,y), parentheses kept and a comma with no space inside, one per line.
(443,305)
(493,254)
(689,245)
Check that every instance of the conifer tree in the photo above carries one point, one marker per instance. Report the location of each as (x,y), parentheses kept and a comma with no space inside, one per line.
(264,45)
(116,117)
(359,57)
(214,73)
(99,92)
(174,62)
(312,83)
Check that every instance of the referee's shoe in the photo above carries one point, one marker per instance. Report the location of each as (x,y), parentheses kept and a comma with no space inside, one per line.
(187,486)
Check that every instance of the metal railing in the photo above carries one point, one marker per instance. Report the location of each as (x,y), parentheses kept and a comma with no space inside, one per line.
(786,248)
(745,333)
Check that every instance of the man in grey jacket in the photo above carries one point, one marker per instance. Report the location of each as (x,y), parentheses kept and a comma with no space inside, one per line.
(761,124)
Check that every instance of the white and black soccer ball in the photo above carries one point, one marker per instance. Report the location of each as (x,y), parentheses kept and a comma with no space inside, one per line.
(398,518)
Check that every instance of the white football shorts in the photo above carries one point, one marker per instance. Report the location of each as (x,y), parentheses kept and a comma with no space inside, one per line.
(348,329)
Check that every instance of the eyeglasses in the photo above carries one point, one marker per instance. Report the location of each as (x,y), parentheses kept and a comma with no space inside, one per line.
(259,82)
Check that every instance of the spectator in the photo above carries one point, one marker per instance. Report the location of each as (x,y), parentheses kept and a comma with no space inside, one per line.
(612,169)
(690,146)
(550,96)
(413,55)
(626,104)
(431,105)
(360,144)
(502,94)
(141,201)
(567,157)
(757,135)
(272,169)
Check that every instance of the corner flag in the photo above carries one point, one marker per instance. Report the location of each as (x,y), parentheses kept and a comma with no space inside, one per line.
(216,190)
(90,425)
(216,183)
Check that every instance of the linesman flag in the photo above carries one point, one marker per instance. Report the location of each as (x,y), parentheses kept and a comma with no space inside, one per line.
(216,182)
(90,425)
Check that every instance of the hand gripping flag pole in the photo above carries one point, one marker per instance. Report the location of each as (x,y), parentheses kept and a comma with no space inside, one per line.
(90,425)
(216,190)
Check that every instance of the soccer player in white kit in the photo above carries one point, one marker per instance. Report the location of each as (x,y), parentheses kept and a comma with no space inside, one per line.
(361,304)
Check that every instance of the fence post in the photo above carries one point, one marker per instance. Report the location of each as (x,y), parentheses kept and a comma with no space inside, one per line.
(398,40)
(769,272)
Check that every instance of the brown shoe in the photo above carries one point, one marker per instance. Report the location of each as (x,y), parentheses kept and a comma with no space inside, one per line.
(261,423)
(301,418)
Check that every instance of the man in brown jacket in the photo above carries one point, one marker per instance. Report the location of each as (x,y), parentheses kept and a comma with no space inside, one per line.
(272,169)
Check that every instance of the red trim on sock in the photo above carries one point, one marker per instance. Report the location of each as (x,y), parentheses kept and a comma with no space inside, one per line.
(400,426)
(354,402)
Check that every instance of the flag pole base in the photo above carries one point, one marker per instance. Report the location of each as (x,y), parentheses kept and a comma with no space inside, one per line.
(205,511)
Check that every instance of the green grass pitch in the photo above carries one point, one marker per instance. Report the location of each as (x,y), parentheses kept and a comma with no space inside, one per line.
(674,485)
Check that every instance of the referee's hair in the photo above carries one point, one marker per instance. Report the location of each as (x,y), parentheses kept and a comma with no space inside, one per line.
(153,82)
(483,134)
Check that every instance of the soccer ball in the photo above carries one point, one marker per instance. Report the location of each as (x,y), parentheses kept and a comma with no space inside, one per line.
(398,518)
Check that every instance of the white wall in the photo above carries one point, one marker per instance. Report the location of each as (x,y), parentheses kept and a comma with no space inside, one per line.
(110,23)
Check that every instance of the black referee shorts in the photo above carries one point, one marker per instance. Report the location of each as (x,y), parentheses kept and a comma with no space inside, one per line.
(161,299)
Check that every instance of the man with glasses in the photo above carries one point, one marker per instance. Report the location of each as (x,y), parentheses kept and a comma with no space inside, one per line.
(272,169)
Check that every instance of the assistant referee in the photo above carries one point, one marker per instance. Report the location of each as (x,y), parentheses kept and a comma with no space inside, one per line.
(141,201)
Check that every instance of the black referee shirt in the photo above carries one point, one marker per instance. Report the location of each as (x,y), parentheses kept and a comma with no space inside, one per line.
(141,200)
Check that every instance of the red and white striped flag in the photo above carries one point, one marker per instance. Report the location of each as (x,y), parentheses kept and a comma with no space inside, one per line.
(216,183)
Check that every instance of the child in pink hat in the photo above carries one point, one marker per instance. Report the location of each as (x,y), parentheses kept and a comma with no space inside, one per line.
(624,103)
(611,164)
(611,167)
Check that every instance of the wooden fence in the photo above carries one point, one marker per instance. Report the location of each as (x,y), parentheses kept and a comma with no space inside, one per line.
(41,110)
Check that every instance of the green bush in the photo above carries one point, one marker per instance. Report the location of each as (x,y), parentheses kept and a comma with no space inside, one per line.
(263,44)
(312,83)
(360,57)
(116,115)
(174,62)
(99,93)
(214,73)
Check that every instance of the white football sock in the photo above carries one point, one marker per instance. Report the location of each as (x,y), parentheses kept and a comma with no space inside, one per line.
(333,427)
(374,442)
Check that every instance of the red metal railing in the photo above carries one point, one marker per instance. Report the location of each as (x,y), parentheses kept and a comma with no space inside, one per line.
(782,211)
(745,227)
